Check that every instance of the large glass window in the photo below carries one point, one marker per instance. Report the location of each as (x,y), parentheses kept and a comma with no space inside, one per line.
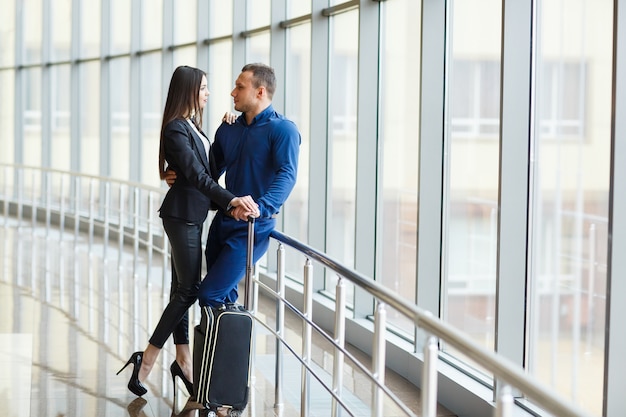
(298,8)
(120,117)
(471,205)
(120,30)
(221,18)
(7,115)
(297,108)
(221,83)
(342,137)
(152,25)
(60,149)
(32,117)
(259,48)
(152,104)
(61,16)
(185,56)
(90,119)
(185,21)
(32,32)
(7,34)
(258,13)
(400,126)
(90,23)
(570,198)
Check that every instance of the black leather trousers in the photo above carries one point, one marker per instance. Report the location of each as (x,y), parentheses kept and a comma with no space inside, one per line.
(186,244)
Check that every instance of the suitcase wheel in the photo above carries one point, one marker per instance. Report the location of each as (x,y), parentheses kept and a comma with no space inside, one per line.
(231,413)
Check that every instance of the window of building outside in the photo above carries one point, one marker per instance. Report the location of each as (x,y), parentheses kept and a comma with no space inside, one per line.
(570,197)
(400,89)
(471,202)
(297,108)
(475,109)
(562,97)
(342,139)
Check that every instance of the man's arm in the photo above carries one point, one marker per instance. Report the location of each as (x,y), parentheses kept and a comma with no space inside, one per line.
(286,148)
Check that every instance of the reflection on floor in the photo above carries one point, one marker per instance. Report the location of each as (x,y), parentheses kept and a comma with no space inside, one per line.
(73,310)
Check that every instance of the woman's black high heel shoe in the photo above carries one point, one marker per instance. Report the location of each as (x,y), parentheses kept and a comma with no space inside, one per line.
(134,385)
(176,371)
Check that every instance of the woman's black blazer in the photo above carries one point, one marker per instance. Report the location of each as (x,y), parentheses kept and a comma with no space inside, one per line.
(189,198)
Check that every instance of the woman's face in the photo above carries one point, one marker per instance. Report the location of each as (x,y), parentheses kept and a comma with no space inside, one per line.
(203,95)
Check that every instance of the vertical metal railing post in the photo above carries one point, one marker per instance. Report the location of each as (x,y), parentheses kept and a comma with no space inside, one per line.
(120,252)
(61,207)
(429,378)
(135,230)
(90,273)
(504,402)
(5,193)
(77,197)
(280,327)
(120,236)
(77,194)
(92,213)
(107,222)
(591,279)
(149,239)
(307,312)
(61,231)
(340,337)
(48,202)
(33,203)
(378,357)
(20,196)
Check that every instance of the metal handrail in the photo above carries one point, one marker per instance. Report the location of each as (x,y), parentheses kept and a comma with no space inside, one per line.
(502,368)
(90,210)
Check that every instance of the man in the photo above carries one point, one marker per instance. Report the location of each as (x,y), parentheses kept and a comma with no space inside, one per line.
(259,156)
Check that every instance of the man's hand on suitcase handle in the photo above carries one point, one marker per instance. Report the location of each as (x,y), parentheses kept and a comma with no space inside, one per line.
(244,207)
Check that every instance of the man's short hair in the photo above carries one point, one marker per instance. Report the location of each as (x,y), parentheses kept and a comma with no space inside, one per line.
(262,75)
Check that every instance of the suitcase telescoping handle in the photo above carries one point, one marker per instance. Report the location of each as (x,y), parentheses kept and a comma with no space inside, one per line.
(247,299)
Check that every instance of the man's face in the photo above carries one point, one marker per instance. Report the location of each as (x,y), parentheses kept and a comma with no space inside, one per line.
(245,95)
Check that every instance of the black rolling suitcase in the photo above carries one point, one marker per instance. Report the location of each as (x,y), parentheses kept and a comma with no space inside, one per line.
(222,350)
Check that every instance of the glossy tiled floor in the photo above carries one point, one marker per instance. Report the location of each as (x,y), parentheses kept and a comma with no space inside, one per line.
(72,311)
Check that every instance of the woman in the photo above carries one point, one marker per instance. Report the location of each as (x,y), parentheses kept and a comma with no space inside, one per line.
(184,148)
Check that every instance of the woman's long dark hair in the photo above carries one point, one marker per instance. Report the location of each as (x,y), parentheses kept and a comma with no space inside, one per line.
(181,103)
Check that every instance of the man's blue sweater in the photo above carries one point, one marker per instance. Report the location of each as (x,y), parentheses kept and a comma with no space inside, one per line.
(260,159)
